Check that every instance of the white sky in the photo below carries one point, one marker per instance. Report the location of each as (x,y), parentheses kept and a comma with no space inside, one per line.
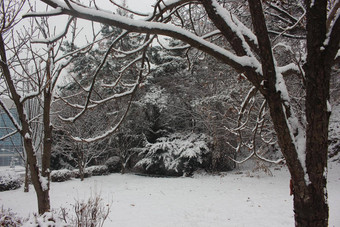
(143,6)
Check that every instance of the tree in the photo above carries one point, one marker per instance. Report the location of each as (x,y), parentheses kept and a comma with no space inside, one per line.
(250,52)
(30,76)
(66,150)
(112,81)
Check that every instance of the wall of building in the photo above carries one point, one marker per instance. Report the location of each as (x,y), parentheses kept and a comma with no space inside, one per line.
(10,148)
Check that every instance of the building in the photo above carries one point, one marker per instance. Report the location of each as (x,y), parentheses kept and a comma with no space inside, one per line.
(11,149)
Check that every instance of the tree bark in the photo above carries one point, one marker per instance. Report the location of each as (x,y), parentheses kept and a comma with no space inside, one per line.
(312,209)
(47,142)
(42,190)
(26,184)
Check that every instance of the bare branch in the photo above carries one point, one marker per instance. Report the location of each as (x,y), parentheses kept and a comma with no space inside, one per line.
(114,129)
(57,37)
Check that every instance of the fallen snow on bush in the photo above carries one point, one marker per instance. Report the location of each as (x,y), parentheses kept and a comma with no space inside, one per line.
(9,180)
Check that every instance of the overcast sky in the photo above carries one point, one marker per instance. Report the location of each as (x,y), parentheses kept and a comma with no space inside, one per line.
(141,5)
(144,6)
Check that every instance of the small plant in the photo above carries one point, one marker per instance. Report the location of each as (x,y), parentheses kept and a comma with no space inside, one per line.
(261,166)
(8,218)
(91,213)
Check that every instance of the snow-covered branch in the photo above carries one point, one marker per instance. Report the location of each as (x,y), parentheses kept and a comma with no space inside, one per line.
(238,62)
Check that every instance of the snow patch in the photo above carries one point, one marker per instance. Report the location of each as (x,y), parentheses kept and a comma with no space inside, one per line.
(44,182)
(312,3)
(27,136)
(329,107)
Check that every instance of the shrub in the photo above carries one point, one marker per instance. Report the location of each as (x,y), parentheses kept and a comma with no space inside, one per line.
(9,180)
(8,218)
(77,175)
(114,164)
(177,154)
(98,170)
(91,212)
(61,175)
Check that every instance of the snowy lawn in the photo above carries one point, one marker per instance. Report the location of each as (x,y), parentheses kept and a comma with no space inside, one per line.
(204,200)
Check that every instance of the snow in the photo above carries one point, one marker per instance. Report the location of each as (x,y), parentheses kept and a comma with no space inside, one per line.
(337,55)
(329,107)
(44,221)
(156,96)
(44,182)
(27,136)
(291,66)
(230,199)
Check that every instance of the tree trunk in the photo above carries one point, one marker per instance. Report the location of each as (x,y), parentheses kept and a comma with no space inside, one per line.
(40,183)
(81,173)
(309,189)
(81,161)
(43,201)
(308,176)
(310,209)
(47,141)
(26,187)
(123,168)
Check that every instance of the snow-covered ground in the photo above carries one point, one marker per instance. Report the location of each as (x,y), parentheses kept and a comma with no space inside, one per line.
(232,199)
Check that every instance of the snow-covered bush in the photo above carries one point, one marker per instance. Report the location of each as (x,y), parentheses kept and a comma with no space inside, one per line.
(76,173)
(98,170)
(177,154)
(9,180)
(8,218)
(113,164)
(61,175)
